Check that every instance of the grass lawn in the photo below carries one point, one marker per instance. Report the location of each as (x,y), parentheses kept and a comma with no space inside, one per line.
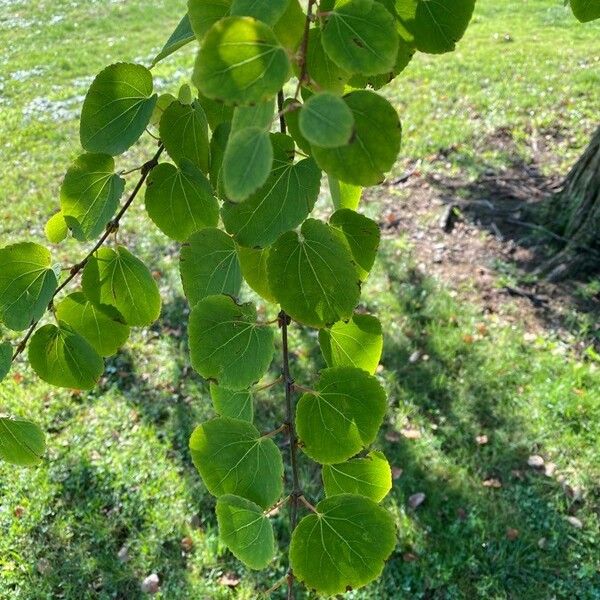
(117,498)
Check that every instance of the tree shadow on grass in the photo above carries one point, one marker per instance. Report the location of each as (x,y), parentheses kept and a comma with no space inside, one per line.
(468,540)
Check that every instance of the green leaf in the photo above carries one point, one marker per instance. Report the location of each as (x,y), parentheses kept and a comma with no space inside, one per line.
(182,36)
(326,121)
(362,235)
(209,266)
(323,287)
(253,262)
(186,95)
(259,115)
(204,14)
(233,404)
(344,195)
(63,358)
(117,109)
(216,112)
(180,201)
(22,442)
(292,119)
(247,162)
(227,345)
(246,531)
(360,37)
(6,354)
(122,280)
(241,62)
(434,27)
(354,343)
(342,416)
(56,229)
(374,147)
(90,195)
(326,74)
(286,199)
(343,546)
(218,145)
(586,10)
(100,325)
(370,477)
(268,11)
(184,132)
(163,102)
(290,28)
(27,284)
(233,458)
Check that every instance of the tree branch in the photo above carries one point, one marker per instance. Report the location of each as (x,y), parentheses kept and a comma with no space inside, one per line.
(112,227)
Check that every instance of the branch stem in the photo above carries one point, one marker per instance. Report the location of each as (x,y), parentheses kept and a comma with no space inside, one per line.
(112,227)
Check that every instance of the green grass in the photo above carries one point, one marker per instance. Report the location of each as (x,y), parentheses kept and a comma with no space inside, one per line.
(117,472)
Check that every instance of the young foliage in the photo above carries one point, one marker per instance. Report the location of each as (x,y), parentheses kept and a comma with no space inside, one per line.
(239,196)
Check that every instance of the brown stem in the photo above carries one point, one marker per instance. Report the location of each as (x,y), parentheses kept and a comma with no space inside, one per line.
(281,111)
(302,78)
(112,227)
(296,493)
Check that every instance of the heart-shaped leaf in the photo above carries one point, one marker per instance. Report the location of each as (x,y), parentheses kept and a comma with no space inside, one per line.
(22,442)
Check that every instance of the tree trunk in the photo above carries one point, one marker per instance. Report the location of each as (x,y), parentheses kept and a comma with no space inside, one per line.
(574,214)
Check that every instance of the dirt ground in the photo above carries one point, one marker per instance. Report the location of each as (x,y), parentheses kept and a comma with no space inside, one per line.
(478,236)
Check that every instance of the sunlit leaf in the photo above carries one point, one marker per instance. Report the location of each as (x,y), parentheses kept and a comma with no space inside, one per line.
(342,415)
(233,458)
(117,109)
(326,121)
(182,35)
(120,279)
(253,262)
(56,229)
(209,265)
(100,325)
(285,200)
(184,132)
(344,195)
(246,531)
(268,11)
(362,235)
(233,404)
(354,343)
(241,62)
(27,283)
(163,102)
(290,27)
(180,201)
(374,146)
(89,195)
(247,162)
(323,287)
(370,476)
(227,344)
(22,442)
(360,37)
(63,358)
(343,546)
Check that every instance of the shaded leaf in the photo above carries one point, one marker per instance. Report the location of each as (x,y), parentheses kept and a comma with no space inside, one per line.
(203,14)
(182,36)
(343,546)
(22,442)
(246,531)
(233,458)
(27,284)
(6,354)
(63,358)
(233,404)
(209,265)
(253,262)
(268,11)
(342,416)
(227,344)
(117,109)
(326,121)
